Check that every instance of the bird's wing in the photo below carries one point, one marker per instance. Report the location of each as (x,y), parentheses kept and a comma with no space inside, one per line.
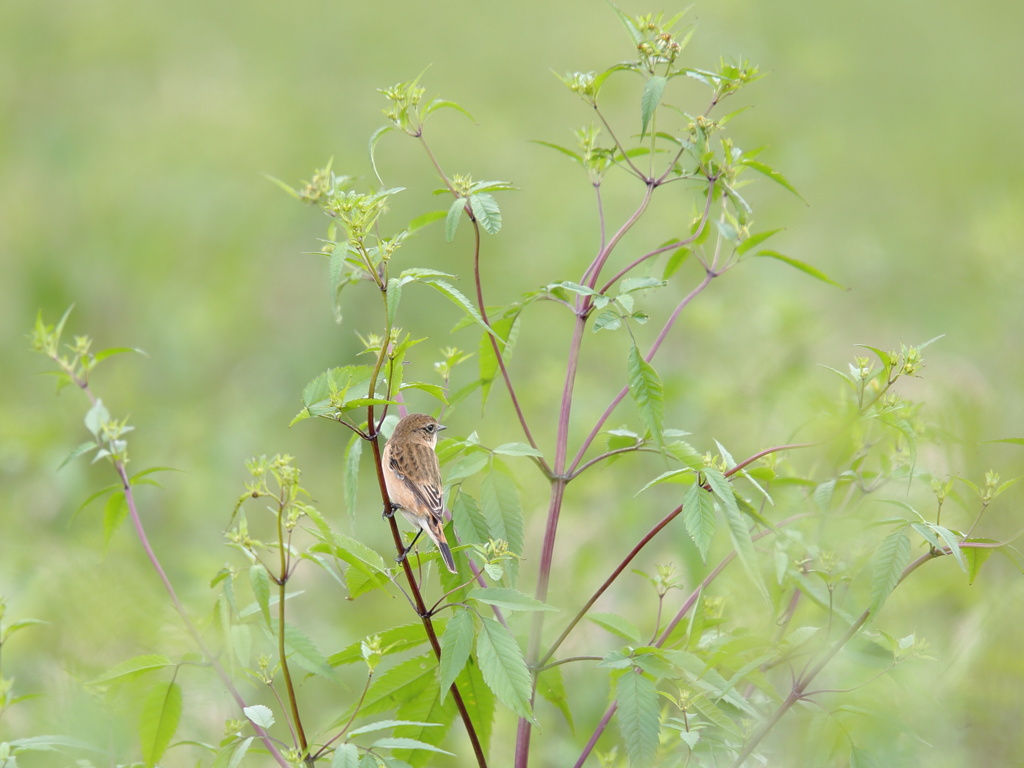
(428,489)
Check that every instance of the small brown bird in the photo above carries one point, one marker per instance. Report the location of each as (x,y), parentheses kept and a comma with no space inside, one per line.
(413,478)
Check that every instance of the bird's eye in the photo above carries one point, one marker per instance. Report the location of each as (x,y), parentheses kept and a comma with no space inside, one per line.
(430,428)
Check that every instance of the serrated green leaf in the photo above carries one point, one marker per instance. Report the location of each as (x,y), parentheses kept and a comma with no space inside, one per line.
(976,557)
(351,472)
(504,668)
(633,284)
(646,390)
(509,599)
(393,299)
(303,651)
(425,219)
(96,417)
(469,520)
(395,686)
(563,150)
(551,686)
(485,210)
(260,715)
(891,558)
(456,645)
(114,513)
(772,174)
(457,298)
(92,445)
(132,668)
(437,104)
(393,640)
(607,320)
(617,625)
(630,26)
(293,192)
(507,328)
(260,583)
(649,100)
(739,530)
(755,240)
(637,700)
(685,476)
(807,269)
(345,756)
(396,742)
(699,518)
(499,500)
(158,720)
(517,449)
(952,541)
(451,223)
(382,725)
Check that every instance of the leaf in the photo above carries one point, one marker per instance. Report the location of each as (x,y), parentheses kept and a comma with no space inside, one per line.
(739,530)
(114,513)
(635,34)
(393,640)
(294,193)
(517,449)
(96,417)
(507,328)
(557,148)
(451,222)
(976,557)
(399,684)
(437,104)
(646,390)
(373,149)
(953,542)
(485,210)
(633,284)
(805,268)
(158,720)
(396,742)
(755,240)
(638,717)
(382,725)
(551,686)
(891,558)
(456,645)
(424,219)
(83,448)
(303,651)
(132,668)
(457,298)
(351,472)
(345,756)
(509,599)
(649,100)
(772,174)
(699,518)
(499,499)
(469,520)
(260,583)
(260,715)
(504,668)
(617,625)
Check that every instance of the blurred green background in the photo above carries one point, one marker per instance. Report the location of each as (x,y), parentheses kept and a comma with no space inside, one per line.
(134,139)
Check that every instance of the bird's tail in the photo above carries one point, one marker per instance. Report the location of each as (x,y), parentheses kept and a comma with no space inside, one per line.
(435,530)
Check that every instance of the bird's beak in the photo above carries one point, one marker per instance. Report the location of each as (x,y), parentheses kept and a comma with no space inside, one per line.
(440,427)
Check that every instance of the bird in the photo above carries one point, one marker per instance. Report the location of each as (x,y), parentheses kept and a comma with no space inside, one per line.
(413,479)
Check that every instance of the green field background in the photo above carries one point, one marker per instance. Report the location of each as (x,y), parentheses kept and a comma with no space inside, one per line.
(135,141)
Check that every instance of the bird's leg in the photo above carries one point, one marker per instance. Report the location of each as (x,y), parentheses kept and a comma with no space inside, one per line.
(405,552)
(389,512)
